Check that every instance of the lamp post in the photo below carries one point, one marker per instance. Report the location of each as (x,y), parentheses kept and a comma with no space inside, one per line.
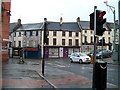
(114,41)
(43,61)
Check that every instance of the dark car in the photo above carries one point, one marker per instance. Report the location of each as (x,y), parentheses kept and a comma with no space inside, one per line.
(104,54)
(92,52)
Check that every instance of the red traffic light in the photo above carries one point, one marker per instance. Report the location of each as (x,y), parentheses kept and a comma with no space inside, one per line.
(102,14)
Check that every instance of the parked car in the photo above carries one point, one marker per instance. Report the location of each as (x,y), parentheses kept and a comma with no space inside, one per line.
(92,52)
(104,54)
(79,57)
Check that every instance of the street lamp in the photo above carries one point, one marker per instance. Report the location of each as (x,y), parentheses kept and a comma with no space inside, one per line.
(114,42)
(44,42)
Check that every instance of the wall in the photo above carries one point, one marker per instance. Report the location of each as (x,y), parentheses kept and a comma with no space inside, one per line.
(5,30)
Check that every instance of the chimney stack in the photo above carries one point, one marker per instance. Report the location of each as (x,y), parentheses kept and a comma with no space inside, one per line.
(61,20)
(19,22)
(78,19)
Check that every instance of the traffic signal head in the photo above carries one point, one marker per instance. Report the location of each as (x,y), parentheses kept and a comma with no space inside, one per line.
(99,22)
(92,21)
(101,14)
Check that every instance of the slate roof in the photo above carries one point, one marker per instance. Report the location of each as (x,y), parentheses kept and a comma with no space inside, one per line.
(12,26)
(32,26)
(68,26)
(85,24)
(111,25)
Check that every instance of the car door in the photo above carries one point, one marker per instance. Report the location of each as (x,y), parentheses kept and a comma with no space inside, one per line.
(73,57)
(77,57)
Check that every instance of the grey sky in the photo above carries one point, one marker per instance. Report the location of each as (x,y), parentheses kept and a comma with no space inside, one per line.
(34,11)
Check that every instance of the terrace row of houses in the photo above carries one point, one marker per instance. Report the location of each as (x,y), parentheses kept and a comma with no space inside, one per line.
(63,38)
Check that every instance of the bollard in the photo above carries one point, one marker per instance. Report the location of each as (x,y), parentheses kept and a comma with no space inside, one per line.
(92,59)
(100,75)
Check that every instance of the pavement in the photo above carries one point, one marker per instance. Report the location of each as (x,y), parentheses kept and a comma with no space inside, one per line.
(28,75)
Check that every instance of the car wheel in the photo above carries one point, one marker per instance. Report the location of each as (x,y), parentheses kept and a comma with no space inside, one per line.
(80,61)
(101,57)
(71,60)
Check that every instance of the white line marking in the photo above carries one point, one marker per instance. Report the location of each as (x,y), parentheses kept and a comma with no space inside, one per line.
(112,84)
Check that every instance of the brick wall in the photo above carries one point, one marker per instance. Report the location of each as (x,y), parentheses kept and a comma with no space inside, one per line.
(5,25)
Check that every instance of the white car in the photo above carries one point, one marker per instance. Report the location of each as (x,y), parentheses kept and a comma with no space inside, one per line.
(79,57)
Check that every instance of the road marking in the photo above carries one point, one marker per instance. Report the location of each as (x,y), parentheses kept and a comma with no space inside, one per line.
(60,65)
(49,63)
(112,85)
(56,65)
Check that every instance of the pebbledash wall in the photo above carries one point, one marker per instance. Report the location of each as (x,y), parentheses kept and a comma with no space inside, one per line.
(5,25)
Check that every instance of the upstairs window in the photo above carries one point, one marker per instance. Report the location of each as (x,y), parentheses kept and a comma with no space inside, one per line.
(19,35)
(77,34)
(36,33)
(19,43)
(54,33)
(54,41)
(63,33)
(63,41)
(70,42)
(76,42)
(25,33)
(30,33)
(70,33)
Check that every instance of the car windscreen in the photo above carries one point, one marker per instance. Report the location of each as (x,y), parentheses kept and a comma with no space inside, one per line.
(82,54)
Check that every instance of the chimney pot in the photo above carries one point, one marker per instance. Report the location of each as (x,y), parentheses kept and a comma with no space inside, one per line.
(19,21)
(61,20)
(78,19)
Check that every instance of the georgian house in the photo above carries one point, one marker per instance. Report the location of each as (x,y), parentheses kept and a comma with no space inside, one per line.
(63,39)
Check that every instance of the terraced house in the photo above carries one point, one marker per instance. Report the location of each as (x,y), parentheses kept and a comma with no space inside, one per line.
(63,38)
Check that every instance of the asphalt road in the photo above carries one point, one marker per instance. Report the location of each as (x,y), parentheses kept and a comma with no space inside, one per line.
(62,67)
(86,70)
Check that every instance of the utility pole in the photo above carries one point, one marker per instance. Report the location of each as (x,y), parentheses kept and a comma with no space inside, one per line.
(44,42)
(114,41)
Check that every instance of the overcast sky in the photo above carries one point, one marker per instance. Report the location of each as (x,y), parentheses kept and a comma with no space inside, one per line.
(34,11)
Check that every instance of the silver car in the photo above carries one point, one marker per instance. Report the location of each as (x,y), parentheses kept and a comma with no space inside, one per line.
(79,57)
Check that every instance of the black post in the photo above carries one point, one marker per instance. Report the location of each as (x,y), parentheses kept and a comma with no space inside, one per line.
(100,75)
(43,61)
(93,82)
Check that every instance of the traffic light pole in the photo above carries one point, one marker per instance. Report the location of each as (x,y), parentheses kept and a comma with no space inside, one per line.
(93,82)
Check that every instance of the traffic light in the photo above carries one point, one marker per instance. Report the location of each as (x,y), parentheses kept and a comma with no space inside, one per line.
(92,21)
(99,22)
